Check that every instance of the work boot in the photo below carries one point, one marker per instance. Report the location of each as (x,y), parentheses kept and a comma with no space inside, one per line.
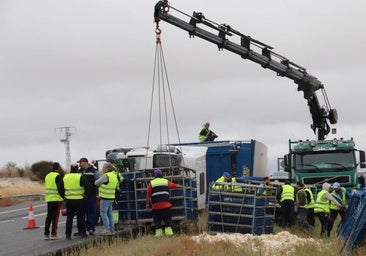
(168,231)
(158,232)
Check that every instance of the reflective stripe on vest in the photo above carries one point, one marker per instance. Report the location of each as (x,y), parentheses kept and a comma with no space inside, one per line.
(108,191)
(218,186)
(232,187)
(342,200)
(321,205)
(235,188)
(52,194)
(73,190)
(160,190)
(287,193)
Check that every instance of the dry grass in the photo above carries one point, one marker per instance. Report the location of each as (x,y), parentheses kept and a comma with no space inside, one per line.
(17,186)
(184,245)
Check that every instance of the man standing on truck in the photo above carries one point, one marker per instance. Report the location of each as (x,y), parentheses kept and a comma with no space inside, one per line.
(158,192)
(206,134)
(90,201)
(53,197)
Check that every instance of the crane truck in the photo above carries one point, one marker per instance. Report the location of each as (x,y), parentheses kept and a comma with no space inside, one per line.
(309,161)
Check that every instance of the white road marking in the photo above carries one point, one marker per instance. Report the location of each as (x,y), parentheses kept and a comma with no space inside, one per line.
(6,221)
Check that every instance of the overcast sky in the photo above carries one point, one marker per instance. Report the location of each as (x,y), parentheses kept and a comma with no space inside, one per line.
(88,64)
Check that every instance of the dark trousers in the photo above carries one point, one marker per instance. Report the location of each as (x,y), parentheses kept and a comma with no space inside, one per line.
(302,215)
(90,204)
(160,215)
(326,223)
(333,215)
(288,213)
(75,207)
(53,213)
(311,217)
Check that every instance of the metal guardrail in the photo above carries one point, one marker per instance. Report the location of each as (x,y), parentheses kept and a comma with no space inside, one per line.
(25,196)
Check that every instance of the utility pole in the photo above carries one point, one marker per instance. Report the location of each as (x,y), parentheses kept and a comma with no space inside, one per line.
(64,134)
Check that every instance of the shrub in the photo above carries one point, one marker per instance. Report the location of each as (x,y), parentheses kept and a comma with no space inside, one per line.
(40,170)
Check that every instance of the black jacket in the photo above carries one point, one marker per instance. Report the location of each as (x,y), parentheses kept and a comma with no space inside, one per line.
(90,176)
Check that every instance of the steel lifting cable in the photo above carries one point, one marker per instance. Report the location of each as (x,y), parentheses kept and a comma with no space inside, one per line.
(161,81)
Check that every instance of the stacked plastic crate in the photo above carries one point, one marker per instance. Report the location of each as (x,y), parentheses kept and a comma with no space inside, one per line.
(352,230)
(241,212)
(131,201)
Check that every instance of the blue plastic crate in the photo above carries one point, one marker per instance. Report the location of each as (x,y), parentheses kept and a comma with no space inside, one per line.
(191,214)
(176,192)
(255,212)
(347,225)
(191,203)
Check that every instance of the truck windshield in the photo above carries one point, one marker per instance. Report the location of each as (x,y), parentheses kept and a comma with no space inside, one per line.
(325,161)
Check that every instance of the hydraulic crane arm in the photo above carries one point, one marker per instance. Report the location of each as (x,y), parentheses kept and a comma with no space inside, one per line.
(266,58)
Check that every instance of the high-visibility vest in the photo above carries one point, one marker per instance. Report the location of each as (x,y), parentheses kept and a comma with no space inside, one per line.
(160,190)
(341,199)
(235,188)
(232,187)
(118,174)
(73,190)
(202,137)
(288,193)
(52,194)
(108,191)
(310,204)
(262,190)
(321,205)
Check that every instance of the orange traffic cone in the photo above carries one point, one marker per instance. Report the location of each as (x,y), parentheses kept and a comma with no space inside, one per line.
(31,221)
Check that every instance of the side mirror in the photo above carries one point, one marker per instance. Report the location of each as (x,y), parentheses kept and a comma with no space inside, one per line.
(362,156)
(286,162)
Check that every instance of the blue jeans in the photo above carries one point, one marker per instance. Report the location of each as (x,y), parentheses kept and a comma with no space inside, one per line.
(90,203)
(106,212)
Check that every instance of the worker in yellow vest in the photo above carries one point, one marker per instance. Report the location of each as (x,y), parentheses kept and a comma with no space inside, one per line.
(74,185)
(286,197)
(107,184)
(341,195)
(53,197)
(303,200)
(322,210)
(158,193)
(226,177)
(206,134)
(262,187)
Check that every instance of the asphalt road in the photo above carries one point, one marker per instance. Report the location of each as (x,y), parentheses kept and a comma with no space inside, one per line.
(16,240)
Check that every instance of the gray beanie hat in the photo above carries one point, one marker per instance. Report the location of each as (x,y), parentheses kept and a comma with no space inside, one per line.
(108,166)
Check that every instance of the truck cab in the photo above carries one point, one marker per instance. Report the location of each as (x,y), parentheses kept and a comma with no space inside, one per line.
(316,162)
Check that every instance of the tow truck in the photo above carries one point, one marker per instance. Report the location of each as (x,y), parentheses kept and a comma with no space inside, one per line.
(309,161)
